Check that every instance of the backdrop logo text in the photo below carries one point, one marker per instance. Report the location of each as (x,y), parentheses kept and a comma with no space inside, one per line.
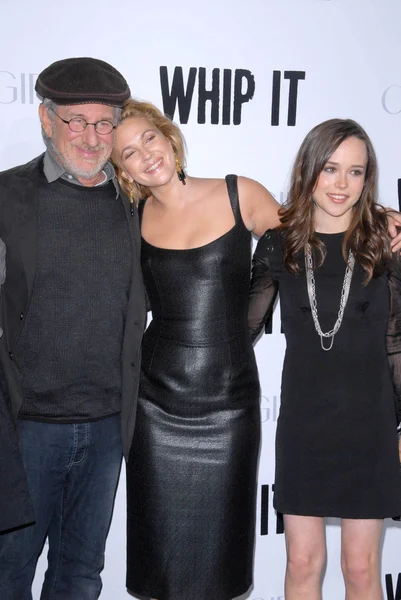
(227,91)
(18,87)
(390,595)
(391,99)
(269,518)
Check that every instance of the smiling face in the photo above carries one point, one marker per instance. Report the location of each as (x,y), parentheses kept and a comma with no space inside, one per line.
(82,154)
(143,153)
(339,186)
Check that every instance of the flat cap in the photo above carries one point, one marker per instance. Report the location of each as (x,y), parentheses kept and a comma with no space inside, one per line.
(82,80)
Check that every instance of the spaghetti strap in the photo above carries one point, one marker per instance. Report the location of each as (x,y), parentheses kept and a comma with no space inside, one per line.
(232,188)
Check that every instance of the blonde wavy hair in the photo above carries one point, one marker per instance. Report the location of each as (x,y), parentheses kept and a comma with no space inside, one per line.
(146,110)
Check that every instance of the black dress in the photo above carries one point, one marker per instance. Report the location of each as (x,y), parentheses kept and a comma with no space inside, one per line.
(191,474)
(336,444)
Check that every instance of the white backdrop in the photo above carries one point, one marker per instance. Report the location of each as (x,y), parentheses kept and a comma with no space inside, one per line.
(330,58)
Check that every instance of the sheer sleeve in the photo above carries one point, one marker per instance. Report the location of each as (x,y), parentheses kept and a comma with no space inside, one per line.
(263,289)
(394,332)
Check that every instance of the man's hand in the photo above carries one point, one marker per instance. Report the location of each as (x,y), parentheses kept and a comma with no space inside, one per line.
(394,228)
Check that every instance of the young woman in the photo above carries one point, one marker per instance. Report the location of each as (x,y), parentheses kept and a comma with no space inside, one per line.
(191,473)
(340,297)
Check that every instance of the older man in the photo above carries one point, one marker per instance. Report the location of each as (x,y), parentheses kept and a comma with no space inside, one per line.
(73,314)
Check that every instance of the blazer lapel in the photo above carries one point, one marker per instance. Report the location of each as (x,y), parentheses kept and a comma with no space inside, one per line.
(133,222)
(26,207)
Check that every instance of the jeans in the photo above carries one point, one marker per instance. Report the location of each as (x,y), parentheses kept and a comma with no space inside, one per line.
(72,472)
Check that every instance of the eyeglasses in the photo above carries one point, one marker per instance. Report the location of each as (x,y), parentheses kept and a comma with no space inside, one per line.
(78,124)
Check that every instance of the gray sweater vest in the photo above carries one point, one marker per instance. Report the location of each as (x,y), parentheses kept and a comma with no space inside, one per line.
(69,350)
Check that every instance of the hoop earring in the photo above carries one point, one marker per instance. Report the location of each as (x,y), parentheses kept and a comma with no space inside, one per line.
(180,171)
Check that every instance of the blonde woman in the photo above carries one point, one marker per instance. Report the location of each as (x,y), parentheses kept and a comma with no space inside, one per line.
(191,474)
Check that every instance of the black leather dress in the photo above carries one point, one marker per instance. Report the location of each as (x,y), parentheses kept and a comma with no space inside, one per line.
(191,475)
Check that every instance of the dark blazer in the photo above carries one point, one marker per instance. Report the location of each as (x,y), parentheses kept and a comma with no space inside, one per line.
(18,229)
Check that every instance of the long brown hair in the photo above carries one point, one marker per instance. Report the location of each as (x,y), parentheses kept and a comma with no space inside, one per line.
(146,110)
(366,235)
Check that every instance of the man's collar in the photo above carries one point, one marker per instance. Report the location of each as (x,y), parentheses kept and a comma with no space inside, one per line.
(51,168)
(53,171)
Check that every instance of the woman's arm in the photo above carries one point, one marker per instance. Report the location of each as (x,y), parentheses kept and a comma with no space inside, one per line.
(394,332)
(263,290)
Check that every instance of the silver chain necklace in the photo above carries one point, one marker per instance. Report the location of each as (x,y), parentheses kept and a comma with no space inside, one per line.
(310,282)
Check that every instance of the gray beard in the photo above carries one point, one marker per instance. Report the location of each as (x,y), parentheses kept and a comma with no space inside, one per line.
(71,169)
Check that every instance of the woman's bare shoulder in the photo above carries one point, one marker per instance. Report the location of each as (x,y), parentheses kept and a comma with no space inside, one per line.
(251,186)
(208,186)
